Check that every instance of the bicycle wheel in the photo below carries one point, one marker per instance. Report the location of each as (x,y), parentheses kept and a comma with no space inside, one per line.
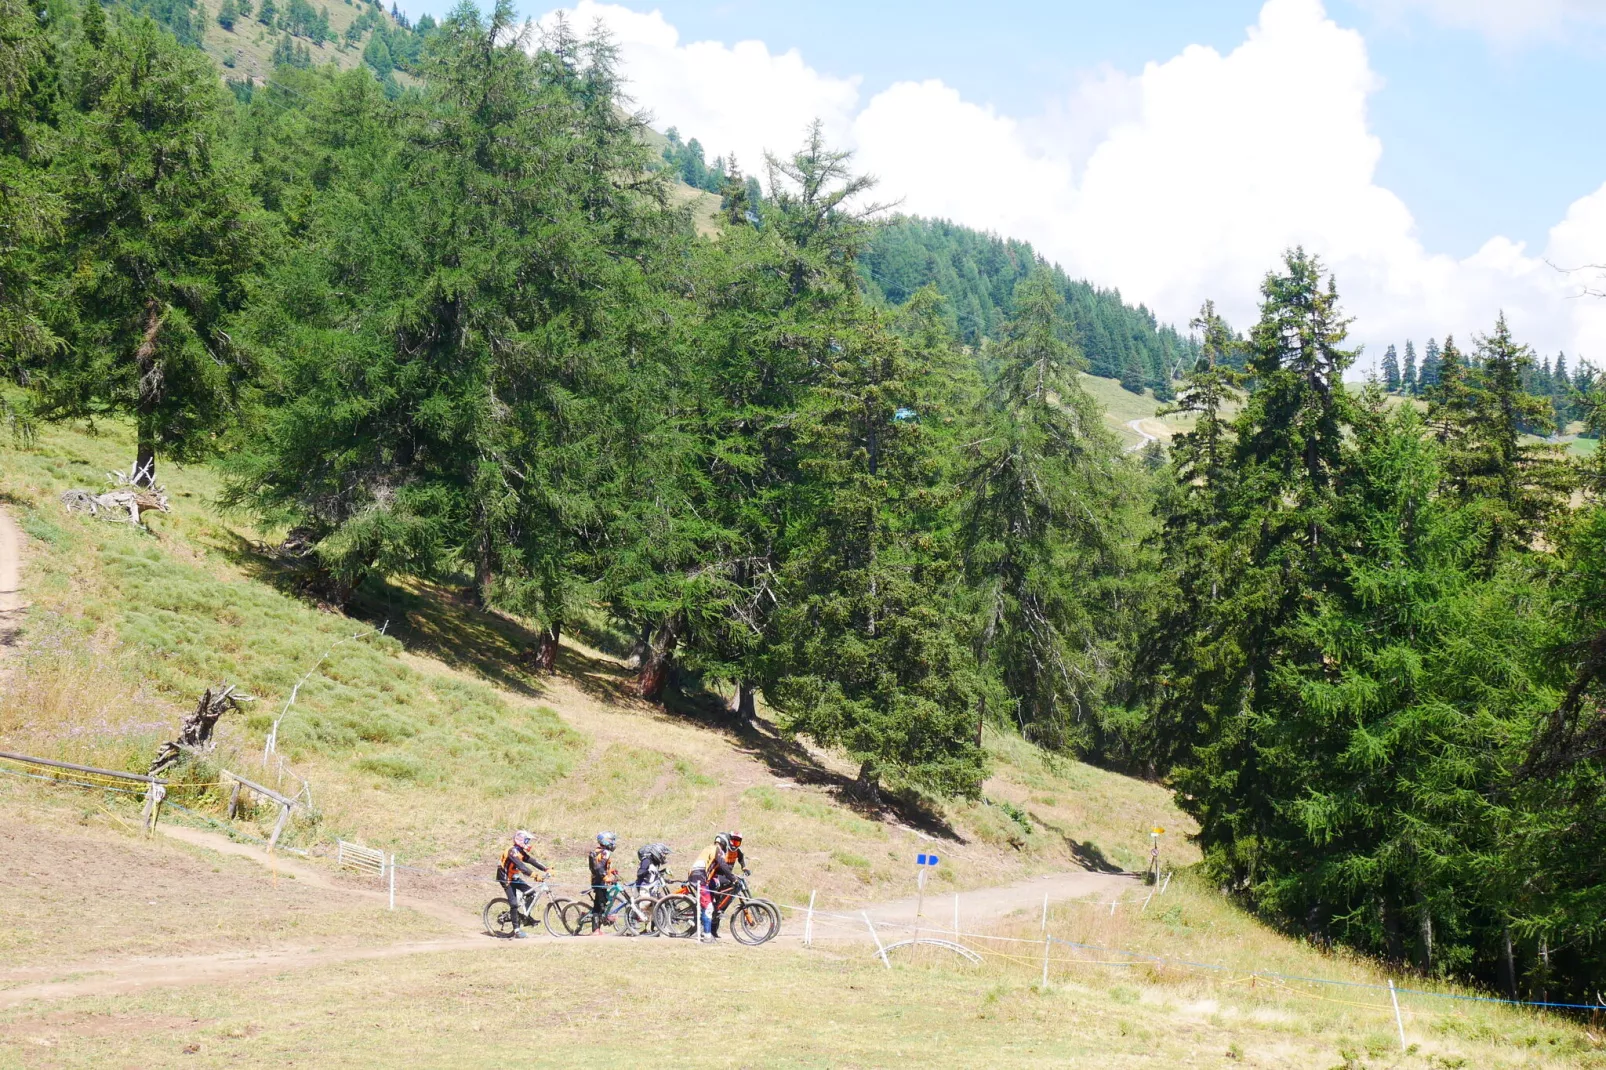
(578,920)
(552,918)
(676,916)
(755,922)
(498,918)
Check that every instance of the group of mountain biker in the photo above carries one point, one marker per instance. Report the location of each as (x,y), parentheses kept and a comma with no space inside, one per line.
(713,873)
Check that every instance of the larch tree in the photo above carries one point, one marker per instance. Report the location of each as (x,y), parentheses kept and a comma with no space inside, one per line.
(160,233)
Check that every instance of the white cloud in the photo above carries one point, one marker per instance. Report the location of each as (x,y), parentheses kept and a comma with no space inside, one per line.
(738,98)
(1504,22)
(1182,182)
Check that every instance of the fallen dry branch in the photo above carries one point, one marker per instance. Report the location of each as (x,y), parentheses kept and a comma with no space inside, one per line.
(196,733)
(123,504)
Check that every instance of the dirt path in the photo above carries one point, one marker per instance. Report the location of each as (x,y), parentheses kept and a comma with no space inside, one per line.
(11,605)
(313,877)
(978,907)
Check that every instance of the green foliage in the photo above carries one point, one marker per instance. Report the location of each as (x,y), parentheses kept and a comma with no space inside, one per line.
(161,235)
(685,160)
(978,273)
(30,212)
(1047,529)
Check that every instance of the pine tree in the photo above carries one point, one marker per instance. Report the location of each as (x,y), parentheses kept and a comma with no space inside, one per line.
(1215,679)
(1391,371)
(1408,381)
(1512,487)
(870,656)
(30,212)
(1041,523)
(1428,374)
(226,14)
(377,54)
(162,236)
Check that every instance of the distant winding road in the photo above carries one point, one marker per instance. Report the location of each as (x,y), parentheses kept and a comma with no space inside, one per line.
(1136,427)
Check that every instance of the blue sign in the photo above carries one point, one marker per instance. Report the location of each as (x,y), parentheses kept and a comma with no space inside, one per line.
(925,860)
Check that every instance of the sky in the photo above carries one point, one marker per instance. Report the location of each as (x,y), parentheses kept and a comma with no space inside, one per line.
(1444,157)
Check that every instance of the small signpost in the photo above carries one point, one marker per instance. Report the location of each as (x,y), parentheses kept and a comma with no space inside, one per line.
(1154,854)
(923,864)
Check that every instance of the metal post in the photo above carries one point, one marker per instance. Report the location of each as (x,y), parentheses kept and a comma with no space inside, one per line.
(1044,927)
(1113,904)
(1045,961)
(1397,1019)
(1167,883)
(393,882)
(882,951)
(808,921)
(920,892)
(153,805)
(1146,902)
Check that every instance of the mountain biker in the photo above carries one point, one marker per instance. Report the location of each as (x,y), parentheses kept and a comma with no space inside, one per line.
(603,874)
(734,854)
(517,864)
(711,873)
(654,858)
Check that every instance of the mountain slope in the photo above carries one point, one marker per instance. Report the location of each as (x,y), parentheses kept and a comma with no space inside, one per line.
(978,272)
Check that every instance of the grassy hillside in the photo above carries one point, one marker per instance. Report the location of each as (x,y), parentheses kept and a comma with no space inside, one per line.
(433,742)
(245,51)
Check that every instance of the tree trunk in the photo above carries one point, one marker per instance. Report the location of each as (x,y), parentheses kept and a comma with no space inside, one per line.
(639,649)
(546,657)
(149,372)
(484,572)
(1391,929)
(741,703)
(868,785)
(1425,924)
(1509,966)
(660,658)
(981,718)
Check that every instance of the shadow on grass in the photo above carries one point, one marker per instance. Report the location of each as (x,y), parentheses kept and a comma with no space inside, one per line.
(442,622)
(787,758)
(1088,855)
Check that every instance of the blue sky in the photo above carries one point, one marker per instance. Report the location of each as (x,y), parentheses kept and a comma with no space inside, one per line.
(1486,113)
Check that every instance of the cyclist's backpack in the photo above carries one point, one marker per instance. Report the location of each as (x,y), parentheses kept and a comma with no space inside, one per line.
(656,853)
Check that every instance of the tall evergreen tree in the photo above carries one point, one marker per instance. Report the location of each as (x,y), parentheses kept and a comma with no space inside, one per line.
(29,212)
(1217,680)
(1041,523)
(162,235)
(870,654)
(1408,378)
(1428,375)
(1391,370)
(1511,486)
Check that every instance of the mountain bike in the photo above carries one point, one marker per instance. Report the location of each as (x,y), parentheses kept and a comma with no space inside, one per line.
(752,921)
(621,913)
(498,915)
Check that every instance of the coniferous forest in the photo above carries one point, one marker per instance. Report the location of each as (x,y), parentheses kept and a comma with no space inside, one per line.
(458,330)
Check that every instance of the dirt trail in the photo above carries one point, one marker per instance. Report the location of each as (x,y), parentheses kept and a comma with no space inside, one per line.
(978,907)
(312,876)
(11,605)
(981,906)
